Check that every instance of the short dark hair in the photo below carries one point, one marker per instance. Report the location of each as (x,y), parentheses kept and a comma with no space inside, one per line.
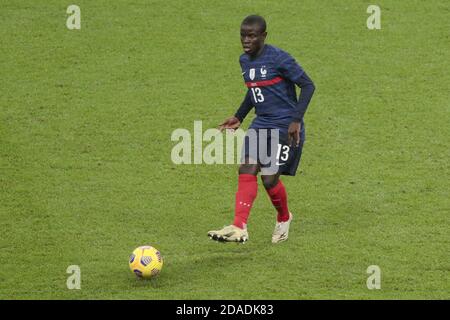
(255,19)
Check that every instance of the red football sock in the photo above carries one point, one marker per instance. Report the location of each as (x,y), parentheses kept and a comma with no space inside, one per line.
(279,200)
(245,195)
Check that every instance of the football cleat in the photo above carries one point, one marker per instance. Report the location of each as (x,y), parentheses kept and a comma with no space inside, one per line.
(229,234)
(281,231)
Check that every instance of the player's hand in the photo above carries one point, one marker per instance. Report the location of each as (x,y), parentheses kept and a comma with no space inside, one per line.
(294,133)
(230,123)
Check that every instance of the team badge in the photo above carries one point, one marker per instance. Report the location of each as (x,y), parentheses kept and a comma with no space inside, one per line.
(252,73)
(263,71)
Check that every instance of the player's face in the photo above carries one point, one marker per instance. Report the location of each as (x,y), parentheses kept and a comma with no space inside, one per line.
(252,38)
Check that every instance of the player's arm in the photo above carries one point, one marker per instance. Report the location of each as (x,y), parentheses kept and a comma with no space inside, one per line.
(235,121)
(290,69)
(245,107)
(306,92)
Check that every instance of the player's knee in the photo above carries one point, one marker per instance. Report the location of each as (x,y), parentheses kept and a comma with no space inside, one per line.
(249,169)
(269,181)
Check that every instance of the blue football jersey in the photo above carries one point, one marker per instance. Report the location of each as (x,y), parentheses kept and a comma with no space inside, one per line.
(270,79)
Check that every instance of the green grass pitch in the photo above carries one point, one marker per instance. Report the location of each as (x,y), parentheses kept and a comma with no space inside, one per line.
(86,175)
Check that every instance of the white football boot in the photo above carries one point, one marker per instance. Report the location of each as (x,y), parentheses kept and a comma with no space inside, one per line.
(281,231)
(229,234)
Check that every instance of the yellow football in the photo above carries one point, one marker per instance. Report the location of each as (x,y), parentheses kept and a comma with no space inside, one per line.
(146,262)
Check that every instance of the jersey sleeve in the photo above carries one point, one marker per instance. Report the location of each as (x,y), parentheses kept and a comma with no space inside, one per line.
(288,68)
(307,91)
(245,107)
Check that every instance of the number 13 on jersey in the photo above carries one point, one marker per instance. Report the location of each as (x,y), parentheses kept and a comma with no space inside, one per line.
(257,95)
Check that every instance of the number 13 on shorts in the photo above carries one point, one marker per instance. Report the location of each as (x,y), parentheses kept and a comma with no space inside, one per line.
(282,153)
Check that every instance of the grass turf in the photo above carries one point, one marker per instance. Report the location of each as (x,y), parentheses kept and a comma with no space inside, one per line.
(86,175)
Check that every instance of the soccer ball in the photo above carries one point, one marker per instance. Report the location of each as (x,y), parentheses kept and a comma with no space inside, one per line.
(146,262)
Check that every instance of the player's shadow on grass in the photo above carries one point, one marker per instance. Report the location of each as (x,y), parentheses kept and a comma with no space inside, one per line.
(193,270)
